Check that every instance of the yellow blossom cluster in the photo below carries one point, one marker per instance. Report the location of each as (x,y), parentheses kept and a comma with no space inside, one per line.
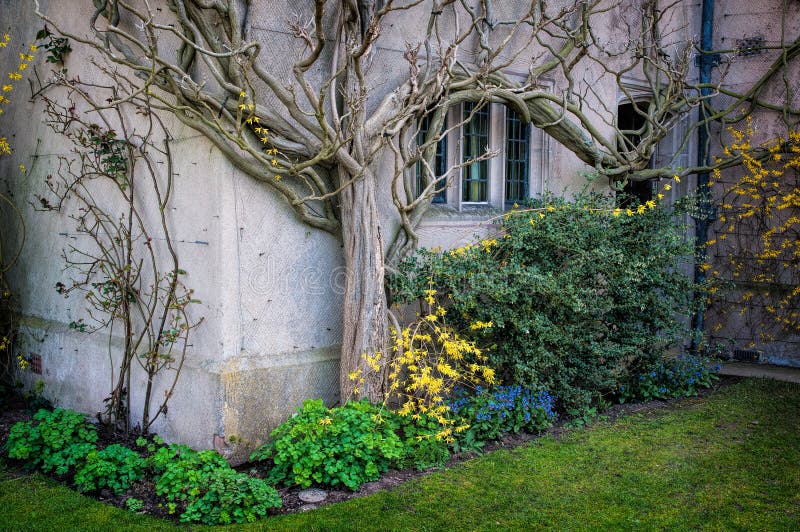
(758,233)
(247,110)
(488,244)
(24,60)
(6,87)
(485,246)
(429,360)
(540,213)
(5,149)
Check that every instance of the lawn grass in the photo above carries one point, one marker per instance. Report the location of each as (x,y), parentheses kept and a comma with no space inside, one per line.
(727,461)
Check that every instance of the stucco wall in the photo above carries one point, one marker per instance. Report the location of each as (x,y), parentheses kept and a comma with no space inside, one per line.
(270,287)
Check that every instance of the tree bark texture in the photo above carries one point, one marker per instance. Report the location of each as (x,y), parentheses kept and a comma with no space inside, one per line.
(364,313)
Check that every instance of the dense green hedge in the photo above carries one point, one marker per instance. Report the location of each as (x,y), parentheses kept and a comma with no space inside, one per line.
(580,294)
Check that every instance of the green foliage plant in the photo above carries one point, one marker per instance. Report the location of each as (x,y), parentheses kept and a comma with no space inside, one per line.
(422,449)
(116,467)
(207,489)
(133,504)
(54,46)
(199,483)
(181,472)
(347,445)
(231,497)
(681,376)
(55,441)
(580,293)
(149,444)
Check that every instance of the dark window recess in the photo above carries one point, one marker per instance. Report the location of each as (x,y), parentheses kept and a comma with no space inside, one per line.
(36,364)
(517,157)
(746,355)
(631,122)
(750,46)
(638,192)
(475,175)
(439,162)
(631,119)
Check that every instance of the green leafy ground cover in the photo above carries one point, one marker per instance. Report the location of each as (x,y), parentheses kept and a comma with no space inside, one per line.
(730,460)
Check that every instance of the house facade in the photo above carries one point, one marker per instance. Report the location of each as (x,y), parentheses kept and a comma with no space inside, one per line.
(271,287)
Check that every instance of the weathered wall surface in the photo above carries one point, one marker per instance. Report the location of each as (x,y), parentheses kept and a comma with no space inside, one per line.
(739,319)
(270,287)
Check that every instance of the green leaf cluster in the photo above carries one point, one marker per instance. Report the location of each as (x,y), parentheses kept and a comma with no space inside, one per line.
(57,47)
(231,497)
(207,488)
(201,484)
(116,467)
(348,445)
(681,376)
(580,295)
(55,441)
(133,504)
(421,448)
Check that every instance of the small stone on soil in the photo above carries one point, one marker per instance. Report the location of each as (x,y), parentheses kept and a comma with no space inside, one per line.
(312,495)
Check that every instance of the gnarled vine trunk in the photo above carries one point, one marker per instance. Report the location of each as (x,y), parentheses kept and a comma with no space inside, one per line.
(364,313)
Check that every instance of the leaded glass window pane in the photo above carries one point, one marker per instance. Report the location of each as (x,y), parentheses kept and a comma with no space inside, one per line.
(517,157)
(475,175)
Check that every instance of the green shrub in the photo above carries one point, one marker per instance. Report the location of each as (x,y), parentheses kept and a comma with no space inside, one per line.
(56,440)
(210,491)
(579,294)
(181,473)
(232,497)
(201,484)
(116,467)
(348,445)
(680,376)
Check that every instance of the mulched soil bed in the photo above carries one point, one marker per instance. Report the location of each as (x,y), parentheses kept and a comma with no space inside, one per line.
(291,503)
